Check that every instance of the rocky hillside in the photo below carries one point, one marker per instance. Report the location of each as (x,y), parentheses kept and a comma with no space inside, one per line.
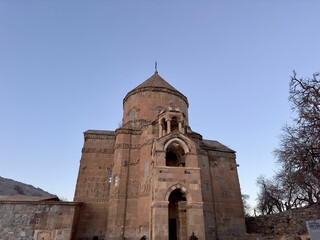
(11,187)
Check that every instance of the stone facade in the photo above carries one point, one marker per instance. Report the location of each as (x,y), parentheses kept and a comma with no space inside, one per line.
(154,176)
(38,220)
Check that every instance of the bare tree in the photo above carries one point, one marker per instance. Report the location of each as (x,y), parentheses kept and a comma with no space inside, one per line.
(246,205)
(270,196)
(299,150)
(298,181)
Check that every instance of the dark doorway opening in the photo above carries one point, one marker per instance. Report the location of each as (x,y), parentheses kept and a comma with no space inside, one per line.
(177,215)
(172,229)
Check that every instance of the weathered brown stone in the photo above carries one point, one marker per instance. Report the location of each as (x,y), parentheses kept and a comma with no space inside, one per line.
(154,176)
(289,225)
(38,220)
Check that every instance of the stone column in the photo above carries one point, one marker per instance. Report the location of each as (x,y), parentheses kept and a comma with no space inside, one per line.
(168,126)
(183,228)
(160,129)
(195,220)
(160,226)
(180,127)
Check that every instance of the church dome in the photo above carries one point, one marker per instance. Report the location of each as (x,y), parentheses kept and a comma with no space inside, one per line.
(151,97)
(156,83)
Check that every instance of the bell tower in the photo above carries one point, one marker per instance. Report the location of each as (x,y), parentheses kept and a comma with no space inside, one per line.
(171,119)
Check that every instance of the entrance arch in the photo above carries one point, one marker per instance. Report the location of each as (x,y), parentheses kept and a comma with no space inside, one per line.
(177,215)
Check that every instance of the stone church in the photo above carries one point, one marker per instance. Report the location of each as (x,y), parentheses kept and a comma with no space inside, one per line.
(155,177)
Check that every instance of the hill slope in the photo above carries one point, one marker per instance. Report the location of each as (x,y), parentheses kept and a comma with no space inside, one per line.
(11,187)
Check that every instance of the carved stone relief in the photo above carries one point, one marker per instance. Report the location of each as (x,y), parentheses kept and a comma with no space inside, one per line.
(135,163)
(145,188)
(195,205)
(98,150)
(99,137)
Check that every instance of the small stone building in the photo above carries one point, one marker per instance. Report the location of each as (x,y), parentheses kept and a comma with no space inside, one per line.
(156,177)
(38,218)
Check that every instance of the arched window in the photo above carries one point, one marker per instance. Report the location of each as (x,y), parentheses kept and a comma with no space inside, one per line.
(131,115)
(109,175)
(116,181)
(174,124)
(175,155)
(164,124)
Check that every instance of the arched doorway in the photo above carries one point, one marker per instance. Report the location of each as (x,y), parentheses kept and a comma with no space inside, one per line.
(177,215)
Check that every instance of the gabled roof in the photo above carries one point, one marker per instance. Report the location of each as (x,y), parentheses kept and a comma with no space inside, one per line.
(215,145)
(156,83)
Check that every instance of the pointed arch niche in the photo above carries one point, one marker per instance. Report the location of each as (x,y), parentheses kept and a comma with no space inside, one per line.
(176,151)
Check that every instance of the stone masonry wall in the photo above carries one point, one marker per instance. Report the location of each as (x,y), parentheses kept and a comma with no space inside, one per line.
(38,220)
(292,222)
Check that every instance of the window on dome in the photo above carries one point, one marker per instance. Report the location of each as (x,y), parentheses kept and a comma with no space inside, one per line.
(131,115)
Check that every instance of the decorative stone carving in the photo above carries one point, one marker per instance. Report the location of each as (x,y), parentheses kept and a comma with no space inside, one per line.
(135,123)
(135,163)
(98,150)
(98,194)
(99,136)
(147,142)
(133,188)
(92,180)
(146,186)
(133,146)
(128,131)
(195,205)
(126,146)
(158,204)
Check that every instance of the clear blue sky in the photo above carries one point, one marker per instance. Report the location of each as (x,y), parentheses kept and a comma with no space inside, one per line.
(65,67)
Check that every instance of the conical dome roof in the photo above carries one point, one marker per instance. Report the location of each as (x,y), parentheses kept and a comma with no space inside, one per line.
(156,83)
